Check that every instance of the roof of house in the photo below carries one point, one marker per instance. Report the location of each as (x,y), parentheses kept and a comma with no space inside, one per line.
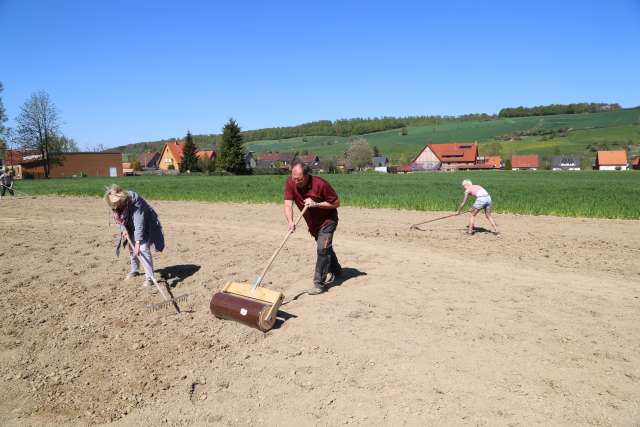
(528,161)
(618,157)
(455,152)
(565,161)
(126,165)
(175,148)
(309,158)
(148,157)
(379,159)
(269,157)
(405,168)
(205,154)
(495,161)
(276,157)
(636,161)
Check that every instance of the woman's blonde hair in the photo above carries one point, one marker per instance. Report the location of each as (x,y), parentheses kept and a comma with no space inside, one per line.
(466,182)
(115,196)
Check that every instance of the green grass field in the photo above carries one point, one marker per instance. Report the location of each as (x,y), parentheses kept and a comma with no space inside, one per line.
(576,194)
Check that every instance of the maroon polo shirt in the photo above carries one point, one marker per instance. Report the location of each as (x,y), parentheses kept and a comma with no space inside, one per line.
(318,190)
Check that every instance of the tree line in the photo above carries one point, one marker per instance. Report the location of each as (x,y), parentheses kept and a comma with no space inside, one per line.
(341,127)
(552,109)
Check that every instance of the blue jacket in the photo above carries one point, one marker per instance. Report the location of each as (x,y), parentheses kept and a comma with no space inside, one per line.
(142,222)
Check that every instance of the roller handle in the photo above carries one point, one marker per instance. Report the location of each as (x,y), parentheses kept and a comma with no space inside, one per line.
(275,254)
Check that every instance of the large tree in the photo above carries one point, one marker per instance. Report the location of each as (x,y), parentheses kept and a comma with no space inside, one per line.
(37,128)
(360,153)
(232,155)
(64,144)
(189,155)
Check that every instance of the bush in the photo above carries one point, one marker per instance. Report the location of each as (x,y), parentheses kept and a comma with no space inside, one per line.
(136,166)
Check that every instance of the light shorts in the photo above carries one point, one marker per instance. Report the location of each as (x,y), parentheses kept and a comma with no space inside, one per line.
(482,202)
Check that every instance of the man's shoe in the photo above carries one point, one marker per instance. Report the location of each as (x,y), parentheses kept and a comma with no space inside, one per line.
(316,290)
(331,277)
(131,275)
(147,282)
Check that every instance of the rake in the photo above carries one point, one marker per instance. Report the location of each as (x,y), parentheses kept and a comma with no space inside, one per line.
(169,301)
(415,226)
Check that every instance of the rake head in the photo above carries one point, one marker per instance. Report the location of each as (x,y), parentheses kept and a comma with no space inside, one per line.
(170,303)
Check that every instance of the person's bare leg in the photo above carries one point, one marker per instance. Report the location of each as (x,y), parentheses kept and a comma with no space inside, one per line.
(487,213)
(472,219)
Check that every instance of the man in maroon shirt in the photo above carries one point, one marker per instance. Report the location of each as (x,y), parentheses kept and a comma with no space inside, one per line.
(322,218)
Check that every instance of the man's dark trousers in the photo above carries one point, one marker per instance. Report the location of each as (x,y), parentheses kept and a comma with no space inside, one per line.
(327,261)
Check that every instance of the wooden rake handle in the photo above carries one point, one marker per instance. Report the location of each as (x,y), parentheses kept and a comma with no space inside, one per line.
(437,219)
(275,254)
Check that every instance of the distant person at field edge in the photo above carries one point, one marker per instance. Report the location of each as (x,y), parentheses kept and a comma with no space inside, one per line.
(6,181)
(483,201)
(322,219)
(140,223)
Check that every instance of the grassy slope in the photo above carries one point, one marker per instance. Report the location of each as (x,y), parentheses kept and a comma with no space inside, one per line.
(622,127)
(603,129)
(587,194)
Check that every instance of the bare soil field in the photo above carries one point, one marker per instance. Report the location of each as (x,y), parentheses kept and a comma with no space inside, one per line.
(540,326)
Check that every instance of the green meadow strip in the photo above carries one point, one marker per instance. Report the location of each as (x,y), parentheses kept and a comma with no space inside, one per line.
(573,194)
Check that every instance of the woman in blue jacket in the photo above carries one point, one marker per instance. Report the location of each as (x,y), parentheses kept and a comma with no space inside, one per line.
(138,223)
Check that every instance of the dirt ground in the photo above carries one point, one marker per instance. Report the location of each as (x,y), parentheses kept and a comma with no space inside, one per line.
(540,326)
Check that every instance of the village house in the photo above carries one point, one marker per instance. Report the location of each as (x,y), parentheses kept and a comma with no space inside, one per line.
(527,162)
(149,160)
(445,156)
(453,156)
(611,160)
(310,160)
(250,160)
(127,170)
(565,163)
(379,161)
(274,160)
(171,156)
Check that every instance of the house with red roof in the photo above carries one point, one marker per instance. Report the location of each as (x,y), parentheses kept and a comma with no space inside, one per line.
(274,160)
(615,160)
(446,156)
(527,162)
(453,156)
(310,160)
(171,156)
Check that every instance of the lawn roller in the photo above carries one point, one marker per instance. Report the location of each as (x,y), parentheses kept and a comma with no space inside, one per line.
(252,305)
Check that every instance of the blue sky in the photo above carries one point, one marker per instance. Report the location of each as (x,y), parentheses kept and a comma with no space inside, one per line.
(130,71)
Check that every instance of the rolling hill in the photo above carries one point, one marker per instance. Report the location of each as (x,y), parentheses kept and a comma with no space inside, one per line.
(578,134)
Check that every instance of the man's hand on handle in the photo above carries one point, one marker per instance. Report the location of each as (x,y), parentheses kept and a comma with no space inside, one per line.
(292,227)
(136,248)
(310,203)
